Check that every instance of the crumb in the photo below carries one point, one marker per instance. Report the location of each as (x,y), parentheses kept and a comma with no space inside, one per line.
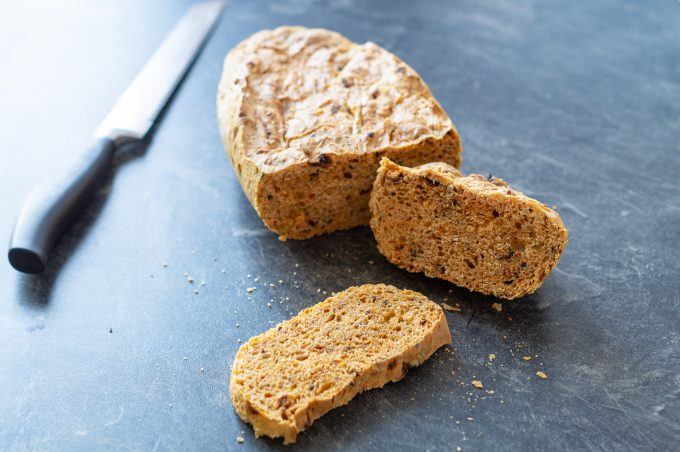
(470,418)
(203,283)
(250,289)
(239,439)
(280,281)
(238,340)
(450,308)
(526,358)
(497,306)
(477,384)
(164,264)
(185,358)
(202,369)
(490,391)
(196,291)
(272,285)
(110,330)
(190,279)
(541,375)
(492,357)
(224,270)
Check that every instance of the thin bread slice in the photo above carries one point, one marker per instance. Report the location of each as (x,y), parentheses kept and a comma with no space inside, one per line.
(305,116)
(474,231)
(359,339)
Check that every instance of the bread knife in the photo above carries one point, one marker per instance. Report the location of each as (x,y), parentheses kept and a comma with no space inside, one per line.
(57,200)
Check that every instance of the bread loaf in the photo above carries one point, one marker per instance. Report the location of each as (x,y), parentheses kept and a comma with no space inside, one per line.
(474,231)
(359,339)
(306,115)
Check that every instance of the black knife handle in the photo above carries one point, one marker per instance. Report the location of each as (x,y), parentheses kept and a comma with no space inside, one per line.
(54,203)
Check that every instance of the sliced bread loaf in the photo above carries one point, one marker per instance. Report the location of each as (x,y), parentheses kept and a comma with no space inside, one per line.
(305,116)
(359,339)
(474,231)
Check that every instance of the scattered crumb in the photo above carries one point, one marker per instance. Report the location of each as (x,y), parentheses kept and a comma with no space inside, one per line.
(190,279)
(526,358)
(541,375)
(497,306)
(110,330)
(202,369)
(477,384)
(492,357)
(490,391)
(164,264)
(185,358)
(450,308)
(470,418)
(250,289)
(203,283)
(196,291)
(224,270)
(238,340)
(239,439)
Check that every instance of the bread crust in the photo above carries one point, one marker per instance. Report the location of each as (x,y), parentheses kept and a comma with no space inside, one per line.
(339,352)
(294,102)
(473,231)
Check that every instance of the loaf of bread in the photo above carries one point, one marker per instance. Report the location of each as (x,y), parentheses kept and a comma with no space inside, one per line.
(474,231)
(361,338)
(305,116)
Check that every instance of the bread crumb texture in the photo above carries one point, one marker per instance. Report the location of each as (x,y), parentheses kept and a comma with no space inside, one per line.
(358,339)
(474,231)
(306,115)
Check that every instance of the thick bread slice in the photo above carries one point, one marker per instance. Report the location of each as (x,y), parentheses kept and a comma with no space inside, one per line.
(474,231)
(359,339)
(305,116)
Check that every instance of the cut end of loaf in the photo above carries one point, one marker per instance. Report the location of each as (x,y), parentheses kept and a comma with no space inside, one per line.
(473,231)
(332,194)
(361,338)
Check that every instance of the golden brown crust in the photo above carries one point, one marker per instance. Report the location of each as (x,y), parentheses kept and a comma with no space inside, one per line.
(361,338)
(293,99)
(474,231)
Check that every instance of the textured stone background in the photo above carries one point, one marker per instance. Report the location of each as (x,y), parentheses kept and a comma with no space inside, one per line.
(577,103)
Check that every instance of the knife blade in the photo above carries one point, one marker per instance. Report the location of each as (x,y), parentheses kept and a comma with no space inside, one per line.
(56,201)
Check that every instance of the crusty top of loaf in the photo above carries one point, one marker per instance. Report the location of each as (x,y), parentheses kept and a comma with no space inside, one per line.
(302,93)
(482,185)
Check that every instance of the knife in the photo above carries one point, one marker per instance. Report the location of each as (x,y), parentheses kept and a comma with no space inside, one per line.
(56,201)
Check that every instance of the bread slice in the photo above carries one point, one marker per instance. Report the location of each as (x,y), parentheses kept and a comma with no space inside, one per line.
(305,116)
(361,338)
(474,231)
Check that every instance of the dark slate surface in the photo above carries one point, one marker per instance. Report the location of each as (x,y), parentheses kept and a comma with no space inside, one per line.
(576,102)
